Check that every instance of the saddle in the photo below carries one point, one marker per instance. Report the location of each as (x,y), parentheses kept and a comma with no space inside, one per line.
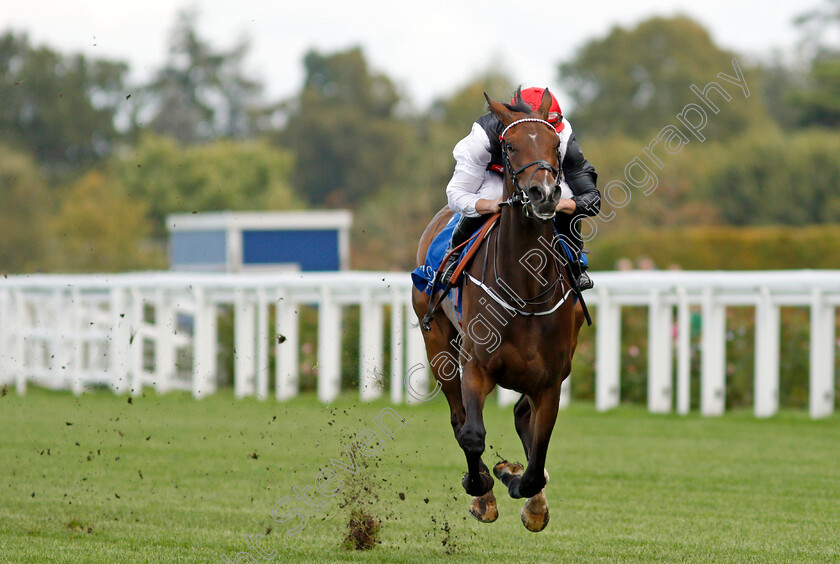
(471,246)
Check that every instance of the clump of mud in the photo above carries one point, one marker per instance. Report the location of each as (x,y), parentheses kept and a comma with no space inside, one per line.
(361,497)
(362,531)
(447,538)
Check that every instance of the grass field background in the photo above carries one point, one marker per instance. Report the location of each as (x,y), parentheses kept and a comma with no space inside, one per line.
(166,478)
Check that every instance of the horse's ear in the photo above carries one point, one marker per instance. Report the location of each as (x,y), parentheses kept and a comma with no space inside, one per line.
(545,104)
(499,109)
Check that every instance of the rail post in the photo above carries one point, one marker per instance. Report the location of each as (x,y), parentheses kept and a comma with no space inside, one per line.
(766,355)
(607,352)
(713,367)
(370,355)
(821,387)
(660,356)
(286,348)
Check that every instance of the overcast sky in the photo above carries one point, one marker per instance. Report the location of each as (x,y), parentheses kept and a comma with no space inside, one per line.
(428,48)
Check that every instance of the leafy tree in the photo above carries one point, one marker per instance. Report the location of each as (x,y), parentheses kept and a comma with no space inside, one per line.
(100,228)
(818,23)
(676,199)
(635,81)
(780,83)
(458,111)
(820,104)
(201,93)
(60,108)
(819,101)
(389,223)
(764,179)
(223,175)
(24,206)
(344,130)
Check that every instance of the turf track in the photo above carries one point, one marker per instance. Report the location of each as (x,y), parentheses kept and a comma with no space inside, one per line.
(170,479)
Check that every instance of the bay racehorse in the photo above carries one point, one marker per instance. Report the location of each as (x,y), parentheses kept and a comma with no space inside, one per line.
(519,321)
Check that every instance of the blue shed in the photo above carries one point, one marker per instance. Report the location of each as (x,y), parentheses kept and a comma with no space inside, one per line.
(248,241)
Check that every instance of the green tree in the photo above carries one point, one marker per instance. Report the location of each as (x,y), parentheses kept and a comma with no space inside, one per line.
(819,99)
(781,82)
(820,103)
(201,93)
(635,81)
(389,223)
(766,178)
(344,131)
(59,108)
(222,175)
(677,198)
(100,228)
(24,207)
(459,110)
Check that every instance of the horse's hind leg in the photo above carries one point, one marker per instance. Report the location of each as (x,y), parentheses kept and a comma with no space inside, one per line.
(523,409)
(522,421)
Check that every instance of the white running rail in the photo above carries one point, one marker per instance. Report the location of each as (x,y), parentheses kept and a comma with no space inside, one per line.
(128,331)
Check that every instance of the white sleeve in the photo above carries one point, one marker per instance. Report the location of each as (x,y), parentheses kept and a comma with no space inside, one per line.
(564,136)
(472,154)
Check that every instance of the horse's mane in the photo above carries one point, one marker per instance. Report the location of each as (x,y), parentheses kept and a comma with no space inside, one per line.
(518,104)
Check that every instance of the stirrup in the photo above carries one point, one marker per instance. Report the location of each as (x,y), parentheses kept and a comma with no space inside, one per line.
(585,282)
(449,269)
(446,275)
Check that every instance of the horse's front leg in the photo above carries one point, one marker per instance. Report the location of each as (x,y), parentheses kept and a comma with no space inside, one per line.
(475,385)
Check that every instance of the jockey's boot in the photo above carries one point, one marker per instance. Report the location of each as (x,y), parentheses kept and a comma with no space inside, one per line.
(584,281)
(463,231)
(579,268)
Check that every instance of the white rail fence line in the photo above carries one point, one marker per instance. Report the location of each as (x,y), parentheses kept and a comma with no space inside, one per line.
(127,331)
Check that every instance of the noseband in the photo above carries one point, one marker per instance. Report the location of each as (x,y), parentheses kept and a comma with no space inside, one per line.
(519,196)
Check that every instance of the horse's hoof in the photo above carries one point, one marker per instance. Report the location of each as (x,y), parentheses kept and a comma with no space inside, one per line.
(535,513)
(477,490)
(484,508)
(505,470)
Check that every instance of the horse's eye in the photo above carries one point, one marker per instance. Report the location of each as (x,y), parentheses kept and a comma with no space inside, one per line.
(509,147)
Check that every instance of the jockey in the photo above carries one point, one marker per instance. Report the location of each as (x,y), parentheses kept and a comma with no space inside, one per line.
(475,190)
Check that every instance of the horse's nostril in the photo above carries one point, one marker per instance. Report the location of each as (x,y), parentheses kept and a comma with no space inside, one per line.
(536,194)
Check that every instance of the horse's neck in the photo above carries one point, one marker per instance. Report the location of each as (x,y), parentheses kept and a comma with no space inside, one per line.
(524,253)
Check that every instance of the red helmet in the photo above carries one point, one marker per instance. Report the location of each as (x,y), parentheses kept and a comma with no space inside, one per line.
(533,97)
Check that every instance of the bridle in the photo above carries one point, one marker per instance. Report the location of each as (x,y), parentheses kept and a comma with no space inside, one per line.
(519,197)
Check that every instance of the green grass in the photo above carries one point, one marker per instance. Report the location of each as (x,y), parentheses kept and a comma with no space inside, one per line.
(169,479)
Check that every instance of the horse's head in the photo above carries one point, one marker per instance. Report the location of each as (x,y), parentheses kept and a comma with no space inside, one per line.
(531,160)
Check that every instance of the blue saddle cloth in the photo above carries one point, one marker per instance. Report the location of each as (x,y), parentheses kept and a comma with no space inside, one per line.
(422,276)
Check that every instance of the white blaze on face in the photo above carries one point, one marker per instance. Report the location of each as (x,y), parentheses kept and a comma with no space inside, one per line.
(547,185)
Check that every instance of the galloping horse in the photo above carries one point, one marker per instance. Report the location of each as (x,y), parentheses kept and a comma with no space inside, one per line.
(520,325)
